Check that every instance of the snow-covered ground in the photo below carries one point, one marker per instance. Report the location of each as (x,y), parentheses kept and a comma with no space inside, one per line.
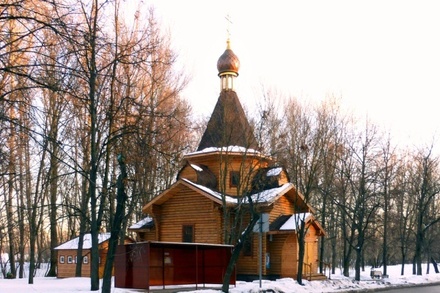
(337,283)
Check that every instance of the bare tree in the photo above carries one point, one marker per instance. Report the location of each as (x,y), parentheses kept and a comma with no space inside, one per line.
(387,175)
(426,189)
(404,210)
(309,137)
(360,172)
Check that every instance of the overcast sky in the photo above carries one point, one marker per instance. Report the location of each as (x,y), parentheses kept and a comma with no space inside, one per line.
(382,58)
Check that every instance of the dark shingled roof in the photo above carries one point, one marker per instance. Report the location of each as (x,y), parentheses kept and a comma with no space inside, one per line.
(261,181)
(279,222)
(228,125)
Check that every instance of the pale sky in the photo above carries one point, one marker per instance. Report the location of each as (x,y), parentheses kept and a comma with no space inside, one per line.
(382,58)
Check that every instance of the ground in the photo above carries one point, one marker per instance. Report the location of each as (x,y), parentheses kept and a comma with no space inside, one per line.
(337,283)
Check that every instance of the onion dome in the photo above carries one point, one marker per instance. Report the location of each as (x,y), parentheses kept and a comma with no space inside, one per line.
(228,62)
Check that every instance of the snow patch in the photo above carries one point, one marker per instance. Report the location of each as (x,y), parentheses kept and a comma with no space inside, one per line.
(197,168)
(293,223)
(274,172)
(141,223)
(225,150)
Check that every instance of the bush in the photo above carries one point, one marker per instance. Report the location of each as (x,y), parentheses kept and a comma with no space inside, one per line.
(9,275)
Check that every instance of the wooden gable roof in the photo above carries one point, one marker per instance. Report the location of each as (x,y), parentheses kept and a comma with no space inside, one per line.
(203,190)
(87,241)
(264,198)
(289,223)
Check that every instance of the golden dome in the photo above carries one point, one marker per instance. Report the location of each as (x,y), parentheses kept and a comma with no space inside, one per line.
(228,62)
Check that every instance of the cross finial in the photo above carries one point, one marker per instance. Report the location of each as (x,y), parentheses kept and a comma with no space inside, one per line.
(229,22)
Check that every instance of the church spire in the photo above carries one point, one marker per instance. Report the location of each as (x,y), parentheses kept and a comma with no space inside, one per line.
(228,125)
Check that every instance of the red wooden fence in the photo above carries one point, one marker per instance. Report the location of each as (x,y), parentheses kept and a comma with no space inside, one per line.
(145,264)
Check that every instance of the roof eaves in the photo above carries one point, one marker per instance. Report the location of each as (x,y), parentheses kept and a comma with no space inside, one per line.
(213,195)
(269,196)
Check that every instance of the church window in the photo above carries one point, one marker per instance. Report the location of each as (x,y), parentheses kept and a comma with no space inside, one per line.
(234,178)
(247,246)
(188,233)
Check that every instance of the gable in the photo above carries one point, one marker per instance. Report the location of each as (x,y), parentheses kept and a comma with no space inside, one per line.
(174,190)
(199,173)
(188,208)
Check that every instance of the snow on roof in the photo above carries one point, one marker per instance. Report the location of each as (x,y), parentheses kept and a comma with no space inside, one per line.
(87,242)
(274,172)
(229,149)
(211,192)
(293,222)
(261,197)
(197,168)
(141,223)
(271,194)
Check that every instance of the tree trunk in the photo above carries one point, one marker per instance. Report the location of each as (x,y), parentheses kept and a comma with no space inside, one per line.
(236,252)
(357,265)
(402,270)
(418,252)
(53,211)
(434,263)
(93,108)
(116,226)
(385,235)
(301,252)
(322,242)
(10,225)
(79,251)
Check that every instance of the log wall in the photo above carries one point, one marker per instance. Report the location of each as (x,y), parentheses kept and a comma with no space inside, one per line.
(186,207)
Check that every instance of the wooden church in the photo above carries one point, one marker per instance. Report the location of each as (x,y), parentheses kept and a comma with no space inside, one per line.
(204,203)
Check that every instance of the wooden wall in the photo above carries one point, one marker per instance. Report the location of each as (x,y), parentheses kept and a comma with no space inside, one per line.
(283,206)
(216,163)
(186,207)
(67,270)
(275,249)
(147,235)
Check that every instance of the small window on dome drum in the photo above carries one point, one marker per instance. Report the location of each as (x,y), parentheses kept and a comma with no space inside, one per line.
(234,178)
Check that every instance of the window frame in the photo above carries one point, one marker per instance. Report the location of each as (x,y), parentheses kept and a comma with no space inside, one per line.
(62,259)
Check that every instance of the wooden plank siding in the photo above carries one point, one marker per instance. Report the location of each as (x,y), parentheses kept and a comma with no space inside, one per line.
(249,264)
(283,206)
(147,235)
(188,172)
(275,249)
(289,256)
(203,214)
(68,270)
